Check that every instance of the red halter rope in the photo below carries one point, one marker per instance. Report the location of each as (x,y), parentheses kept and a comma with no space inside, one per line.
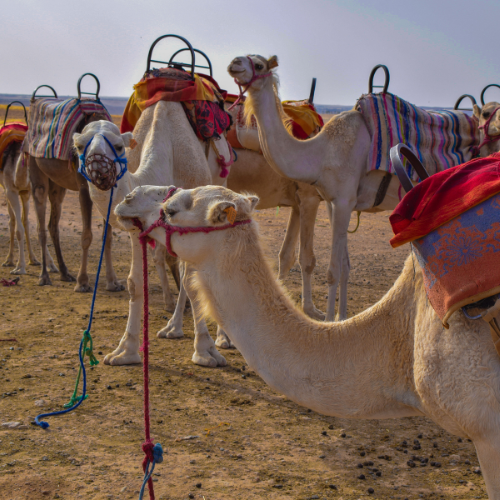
(487,137)
(247,85)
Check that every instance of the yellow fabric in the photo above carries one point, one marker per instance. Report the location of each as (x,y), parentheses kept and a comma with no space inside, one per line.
(301,113)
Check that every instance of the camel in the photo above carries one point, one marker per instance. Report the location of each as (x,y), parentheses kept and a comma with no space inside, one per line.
(483,115)
(334,162)
(251,173)
(167,151)
(393,360)
(51,178)
(14,179)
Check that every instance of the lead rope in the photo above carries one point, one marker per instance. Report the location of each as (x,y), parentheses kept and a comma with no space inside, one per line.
(154,453)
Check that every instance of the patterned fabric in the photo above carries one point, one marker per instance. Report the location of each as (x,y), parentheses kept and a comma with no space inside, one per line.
(444,196)
(461,259)
(12,132)
(441,140)
(303,122)
(170,84)
(53,123)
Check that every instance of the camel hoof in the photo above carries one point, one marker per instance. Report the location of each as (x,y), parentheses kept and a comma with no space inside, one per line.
(224,343)
(170,332)
(210,359)
(118,358)
(8,263)
(115,286)
(67,277)
(34,262)
(44,281)
(315,314)
(85,288)
(18,271)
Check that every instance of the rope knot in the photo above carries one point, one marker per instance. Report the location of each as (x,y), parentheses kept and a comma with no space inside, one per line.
(148,449)
(87,338)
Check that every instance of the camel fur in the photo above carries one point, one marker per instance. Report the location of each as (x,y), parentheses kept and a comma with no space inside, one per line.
(393,360)
(494,127)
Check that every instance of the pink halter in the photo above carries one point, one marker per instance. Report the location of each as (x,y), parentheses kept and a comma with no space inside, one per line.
(170,230)
(487,137)
(247,85)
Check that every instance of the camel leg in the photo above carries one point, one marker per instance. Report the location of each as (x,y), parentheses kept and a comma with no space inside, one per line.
(308,211)
(50,262)
(222,340)
(159,257)
(82,281)
(205,352)
(173,330)
(340,217)
(112,284)
(40,190)
(488,453)
(25,198)
(56,197)
(344,278)
(127,352)
(15,206)
(287,253)
(9,261)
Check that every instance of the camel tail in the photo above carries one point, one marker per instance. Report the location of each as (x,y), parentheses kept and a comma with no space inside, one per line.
(22,168)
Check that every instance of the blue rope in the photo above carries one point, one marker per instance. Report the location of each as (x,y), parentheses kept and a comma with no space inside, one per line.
(158,459)
(86,333)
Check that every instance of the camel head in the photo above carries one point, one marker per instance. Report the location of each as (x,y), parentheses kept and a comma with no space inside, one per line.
(485,113)
(203,207)
(251,70)
(95,147)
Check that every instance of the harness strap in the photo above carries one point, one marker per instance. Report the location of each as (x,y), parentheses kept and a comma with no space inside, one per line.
(487,137)
(382,189)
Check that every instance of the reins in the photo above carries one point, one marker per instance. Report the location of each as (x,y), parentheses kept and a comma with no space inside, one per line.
(487,137)
(255,77)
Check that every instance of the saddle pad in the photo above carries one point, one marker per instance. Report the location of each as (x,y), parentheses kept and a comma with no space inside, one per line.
(53,123)
(444,196)
(440,139)
(303,122)
(202,99)
(13,132)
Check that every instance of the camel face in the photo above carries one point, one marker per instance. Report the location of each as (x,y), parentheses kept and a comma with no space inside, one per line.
(242,71)
(485,113)
(202,207)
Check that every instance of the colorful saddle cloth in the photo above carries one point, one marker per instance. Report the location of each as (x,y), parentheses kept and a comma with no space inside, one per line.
(453,221)
(440,139)
(53,123)
(202,99)
(303,122)
(12,132)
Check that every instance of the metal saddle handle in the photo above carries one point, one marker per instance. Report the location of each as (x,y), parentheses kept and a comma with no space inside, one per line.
(461,98)
(34,96)
(396,154)
(7,112)
(485,89)
(173,63)
(189,47)
(387,79)
(98,84)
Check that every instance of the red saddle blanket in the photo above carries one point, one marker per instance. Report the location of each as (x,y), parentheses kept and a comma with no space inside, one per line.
(443,196)
(12,132)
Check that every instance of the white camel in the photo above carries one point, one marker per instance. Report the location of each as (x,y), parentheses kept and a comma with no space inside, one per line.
(252,174)
(393,360)
(15,181)
(167,152)
(489,113)
(334,162)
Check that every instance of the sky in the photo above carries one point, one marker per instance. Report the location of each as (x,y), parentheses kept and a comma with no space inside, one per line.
(436,50)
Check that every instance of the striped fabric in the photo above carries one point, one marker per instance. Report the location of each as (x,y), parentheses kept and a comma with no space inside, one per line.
(440,139)
(53,123)
(12,132)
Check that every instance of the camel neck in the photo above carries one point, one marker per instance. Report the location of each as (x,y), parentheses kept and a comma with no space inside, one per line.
(297,160)
(345,369)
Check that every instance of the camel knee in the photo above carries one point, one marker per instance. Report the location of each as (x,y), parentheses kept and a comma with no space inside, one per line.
(134,291)
(19,235)
(86,239)
(39,193)
(333,275)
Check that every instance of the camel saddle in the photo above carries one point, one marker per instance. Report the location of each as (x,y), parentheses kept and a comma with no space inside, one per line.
(53,123)
(10,133)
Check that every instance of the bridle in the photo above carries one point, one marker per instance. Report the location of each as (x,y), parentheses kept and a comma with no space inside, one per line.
(170,230)
(104,161)
(247,85)
(487,137)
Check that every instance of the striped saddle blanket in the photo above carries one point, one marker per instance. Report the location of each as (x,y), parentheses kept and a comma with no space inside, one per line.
(12,132)
(440,139)
(53,123)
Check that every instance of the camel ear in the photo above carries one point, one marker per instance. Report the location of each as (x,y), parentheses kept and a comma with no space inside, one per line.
(477,111)
(222,212)
(273,62)
(76,137)
(253,202)
(128,140)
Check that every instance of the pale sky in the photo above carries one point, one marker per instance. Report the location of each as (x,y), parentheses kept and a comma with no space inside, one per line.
(435,50)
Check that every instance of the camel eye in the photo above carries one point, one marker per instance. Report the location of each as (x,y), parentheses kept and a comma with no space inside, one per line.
(486,114)
(118,147)
(259,66)
(170,212)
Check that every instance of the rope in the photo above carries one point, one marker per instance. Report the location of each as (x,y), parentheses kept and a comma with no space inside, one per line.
(154,453)
(83,351)
(357,225)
